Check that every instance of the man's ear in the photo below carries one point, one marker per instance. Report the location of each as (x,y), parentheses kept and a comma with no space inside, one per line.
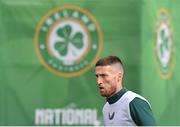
(120,76)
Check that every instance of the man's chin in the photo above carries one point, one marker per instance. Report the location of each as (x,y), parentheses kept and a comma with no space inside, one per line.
(103,94)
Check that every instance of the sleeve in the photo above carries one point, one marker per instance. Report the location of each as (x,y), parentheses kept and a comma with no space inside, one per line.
(141,112)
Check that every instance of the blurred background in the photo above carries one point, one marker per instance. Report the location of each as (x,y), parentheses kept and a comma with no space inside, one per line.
(47,76)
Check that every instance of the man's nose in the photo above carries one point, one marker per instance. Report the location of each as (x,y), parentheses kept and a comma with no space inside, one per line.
(99,80)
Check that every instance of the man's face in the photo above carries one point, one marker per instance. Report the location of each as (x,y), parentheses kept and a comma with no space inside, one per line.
(107,80)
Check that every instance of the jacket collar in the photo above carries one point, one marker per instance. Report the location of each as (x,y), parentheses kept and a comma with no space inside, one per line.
(116,96)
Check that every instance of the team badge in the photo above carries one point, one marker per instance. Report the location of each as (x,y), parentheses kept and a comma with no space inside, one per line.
(68,41)
(111,115)
(164,45)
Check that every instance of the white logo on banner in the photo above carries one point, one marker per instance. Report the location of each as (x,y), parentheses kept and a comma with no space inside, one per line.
(164,46)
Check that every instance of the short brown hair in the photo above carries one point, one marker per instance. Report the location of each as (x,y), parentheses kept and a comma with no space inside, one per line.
(109,60)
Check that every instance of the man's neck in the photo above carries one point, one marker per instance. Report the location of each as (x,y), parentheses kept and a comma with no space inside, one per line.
(116,96)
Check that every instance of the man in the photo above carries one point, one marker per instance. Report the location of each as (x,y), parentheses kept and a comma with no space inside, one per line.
(123,107)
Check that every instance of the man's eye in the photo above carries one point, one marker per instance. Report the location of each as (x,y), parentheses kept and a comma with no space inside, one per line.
(103,75)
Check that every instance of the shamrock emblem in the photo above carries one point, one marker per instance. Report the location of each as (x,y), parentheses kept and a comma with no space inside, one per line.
(164,44)
(65,33)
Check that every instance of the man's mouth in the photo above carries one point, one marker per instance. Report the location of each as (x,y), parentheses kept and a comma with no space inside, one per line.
(101,88)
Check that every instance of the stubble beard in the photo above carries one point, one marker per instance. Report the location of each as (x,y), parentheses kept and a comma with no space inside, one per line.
(109,93)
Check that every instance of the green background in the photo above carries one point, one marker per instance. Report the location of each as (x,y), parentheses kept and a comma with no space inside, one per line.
(128,32)
(163,94)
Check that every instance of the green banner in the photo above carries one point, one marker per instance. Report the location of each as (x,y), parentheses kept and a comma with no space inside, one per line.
(48,49)
(159,75)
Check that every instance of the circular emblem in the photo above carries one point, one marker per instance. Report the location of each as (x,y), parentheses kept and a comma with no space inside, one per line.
(68,41)
(164,45)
